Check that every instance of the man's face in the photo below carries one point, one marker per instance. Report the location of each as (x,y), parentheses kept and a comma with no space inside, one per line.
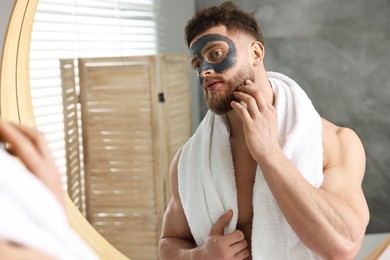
(212,56)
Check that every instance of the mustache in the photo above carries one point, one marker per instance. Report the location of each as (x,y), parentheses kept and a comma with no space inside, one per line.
(209,78)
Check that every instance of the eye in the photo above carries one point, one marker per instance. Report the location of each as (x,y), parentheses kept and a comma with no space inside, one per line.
(195,66)
(217,54)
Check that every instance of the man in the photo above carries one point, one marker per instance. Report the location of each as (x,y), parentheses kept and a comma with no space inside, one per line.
(263,177)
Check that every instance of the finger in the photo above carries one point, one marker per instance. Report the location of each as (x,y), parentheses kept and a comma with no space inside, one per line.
(250,102)
(239,246)
(10,132)
(223,221)
(256,96)
(35,137)
(243,104)
(21,146)
(242,254)
(241,110)
(249,89)
(249,83)
(235,237)
(18,141)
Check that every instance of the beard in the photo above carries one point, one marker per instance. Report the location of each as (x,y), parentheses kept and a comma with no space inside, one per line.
(219,102)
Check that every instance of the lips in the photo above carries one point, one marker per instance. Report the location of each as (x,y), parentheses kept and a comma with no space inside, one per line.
(213,84)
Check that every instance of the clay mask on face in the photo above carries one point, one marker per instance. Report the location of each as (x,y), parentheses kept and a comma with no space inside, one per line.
(200,50)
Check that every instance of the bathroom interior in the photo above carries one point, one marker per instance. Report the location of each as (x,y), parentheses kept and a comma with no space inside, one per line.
(56,65)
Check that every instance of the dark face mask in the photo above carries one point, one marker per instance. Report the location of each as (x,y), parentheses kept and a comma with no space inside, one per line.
(198,47)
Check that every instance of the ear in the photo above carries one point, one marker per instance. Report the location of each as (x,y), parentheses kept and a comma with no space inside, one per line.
(257,53)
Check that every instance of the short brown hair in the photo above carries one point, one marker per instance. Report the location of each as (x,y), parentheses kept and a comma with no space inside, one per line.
(227,14)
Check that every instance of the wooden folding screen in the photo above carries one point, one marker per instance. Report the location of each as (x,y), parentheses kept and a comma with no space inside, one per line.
(121,152)
(176,86)
(129,140)
(71,128)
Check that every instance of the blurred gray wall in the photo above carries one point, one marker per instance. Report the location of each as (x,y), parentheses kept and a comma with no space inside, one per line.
(5,12)
(6,7)
(172,17)
(339,53)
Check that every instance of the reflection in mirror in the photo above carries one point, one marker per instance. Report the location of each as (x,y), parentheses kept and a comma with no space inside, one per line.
(16,106)
(81,29)
(120,187)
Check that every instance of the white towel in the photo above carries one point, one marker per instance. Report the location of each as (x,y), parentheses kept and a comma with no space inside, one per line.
(206,177)
(33,217)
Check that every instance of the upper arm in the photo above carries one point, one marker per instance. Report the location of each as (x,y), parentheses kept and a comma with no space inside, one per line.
(344,168)
(175,223)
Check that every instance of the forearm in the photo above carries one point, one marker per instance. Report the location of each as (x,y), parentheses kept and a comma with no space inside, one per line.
(176,248)
(324,222)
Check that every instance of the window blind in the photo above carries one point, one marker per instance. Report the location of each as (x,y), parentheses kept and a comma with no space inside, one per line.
(66,29)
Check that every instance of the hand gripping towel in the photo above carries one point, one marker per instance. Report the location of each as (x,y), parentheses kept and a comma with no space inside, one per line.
(206,177)
(31,216)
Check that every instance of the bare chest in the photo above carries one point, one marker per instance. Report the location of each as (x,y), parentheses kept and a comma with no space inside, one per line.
(245,173)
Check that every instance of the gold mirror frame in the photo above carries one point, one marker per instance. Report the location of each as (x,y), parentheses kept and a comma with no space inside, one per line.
(16,106)
(15,82)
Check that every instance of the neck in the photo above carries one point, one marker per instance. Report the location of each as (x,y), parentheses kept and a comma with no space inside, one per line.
(234,120)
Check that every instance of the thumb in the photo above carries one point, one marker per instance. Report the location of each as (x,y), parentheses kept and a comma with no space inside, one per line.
(219,226)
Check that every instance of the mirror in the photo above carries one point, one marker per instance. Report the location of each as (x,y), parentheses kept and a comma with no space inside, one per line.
(16,103)
(22,111)
(14,68)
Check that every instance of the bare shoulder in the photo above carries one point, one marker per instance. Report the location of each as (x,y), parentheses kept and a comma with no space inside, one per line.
(334,133)
(344,168)
(175,223)
(173,175)
(342,147)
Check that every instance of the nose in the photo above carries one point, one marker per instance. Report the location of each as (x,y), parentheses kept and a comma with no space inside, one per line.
(205,73)
(205,69)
